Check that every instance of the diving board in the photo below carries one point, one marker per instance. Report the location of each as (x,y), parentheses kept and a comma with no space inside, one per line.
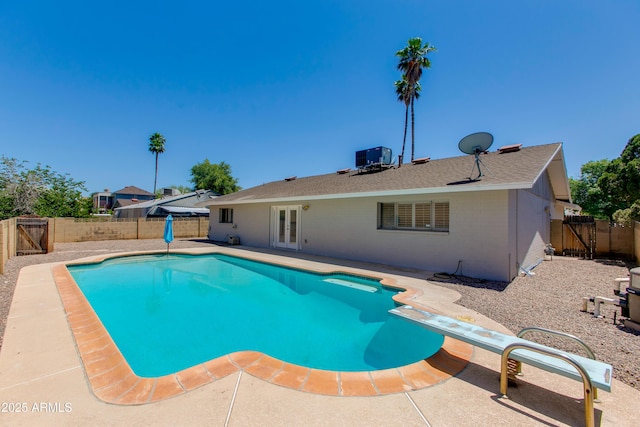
(591,372)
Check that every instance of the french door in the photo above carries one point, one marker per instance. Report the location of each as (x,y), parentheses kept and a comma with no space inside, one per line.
(286,227)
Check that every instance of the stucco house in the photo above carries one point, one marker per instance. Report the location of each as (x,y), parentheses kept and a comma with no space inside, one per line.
(429,215)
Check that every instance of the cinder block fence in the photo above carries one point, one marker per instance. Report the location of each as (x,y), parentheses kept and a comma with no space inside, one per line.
(68,230)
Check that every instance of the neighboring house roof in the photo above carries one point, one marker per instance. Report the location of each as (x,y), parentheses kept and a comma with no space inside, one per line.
(134,191)
(178,211)
(183,200)
(510,170)
(125,203)
(181,204)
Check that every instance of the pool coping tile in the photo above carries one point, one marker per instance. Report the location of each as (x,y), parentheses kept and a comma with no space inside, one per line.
(194,377)
(322,382)
(357,384)
(389,381)
(291,376)
(113,381)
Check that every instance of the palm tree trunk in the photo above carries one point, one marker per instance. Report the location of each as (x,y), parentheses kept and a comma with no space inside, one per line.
(155,181)
(413,132)
(404,139)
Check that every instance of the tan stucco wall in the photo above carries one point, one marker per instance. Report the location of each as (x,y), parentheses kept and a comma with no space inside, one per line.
(347,228)
(556,235)
(534,227)
(250,224)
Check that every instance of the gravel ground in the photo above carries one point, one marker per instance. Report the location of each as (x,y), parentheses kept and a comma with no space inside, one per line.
(551,298)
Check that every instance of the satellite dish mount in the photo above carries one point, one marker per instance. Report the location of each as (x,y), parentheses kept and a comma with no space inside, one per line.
(476,144)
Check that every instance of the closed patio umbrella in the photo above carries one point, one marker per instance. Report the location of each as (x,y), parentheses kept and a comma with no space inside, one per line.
(168,231)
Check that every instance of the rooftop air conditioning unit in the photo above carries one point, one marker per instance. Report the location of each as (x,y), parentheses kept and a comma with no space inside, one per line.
(233,240)
(169,192)
(373,156)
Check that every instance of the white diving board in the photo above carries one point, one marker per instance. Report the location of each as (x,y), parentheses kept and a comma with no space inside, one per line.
(600,373)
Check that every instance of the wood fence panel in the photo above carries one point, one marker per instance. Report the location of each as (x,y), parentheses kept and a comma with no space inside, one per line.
(32,236)
(579,236)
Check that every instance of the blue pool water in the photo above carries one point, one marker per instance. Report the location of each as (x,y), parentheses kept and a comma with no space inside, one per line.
(170,312)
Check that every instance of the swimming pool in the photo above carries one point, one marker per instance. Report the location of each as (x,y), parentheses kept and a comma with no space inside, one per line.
(167,313)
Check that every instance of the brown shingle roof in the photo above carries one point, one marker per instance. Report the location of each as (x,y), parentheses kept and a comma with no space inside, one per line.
(130,189)
(518,169)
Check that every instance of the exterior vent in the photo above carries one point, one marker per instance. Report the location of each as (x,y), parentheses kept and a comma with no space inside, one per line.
(509,148)
(343,171)
(291,178)
(421,160)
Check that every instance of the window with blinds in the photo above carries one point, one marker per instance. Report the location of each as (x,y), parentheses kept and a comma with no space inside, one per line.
(225,215)
(423,216)
(441,216)
(405,215)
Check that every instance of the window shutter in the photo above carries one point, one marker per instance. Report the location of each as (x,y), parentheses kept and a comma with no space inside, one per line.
(423,216)
(441,213)
(405,215)
(387,215)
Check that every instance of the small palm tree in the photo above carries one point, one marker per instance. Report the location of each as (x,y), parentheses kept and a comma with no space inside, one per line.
(413,58)
(156,146)
(403,90)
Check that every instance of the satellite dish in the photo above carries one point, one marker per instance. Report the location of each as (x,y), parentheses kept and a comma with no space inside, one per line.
(475,144)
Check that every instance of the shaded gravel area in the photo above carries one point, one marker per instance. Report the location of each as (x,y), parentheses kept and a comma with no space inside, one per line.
(551,298)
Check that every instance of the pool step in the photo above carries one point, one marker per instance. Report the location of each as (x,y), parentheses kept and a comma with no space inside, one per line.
(354,285)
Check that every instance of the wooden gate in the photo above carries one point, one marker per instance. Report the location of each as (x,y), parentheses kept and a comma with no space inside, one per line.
(579,236)
(31,236)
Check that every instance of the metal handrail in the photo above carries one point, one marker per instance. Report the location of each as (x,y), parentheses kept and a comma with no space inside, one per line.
(589,411)
(590,352)
(525,331)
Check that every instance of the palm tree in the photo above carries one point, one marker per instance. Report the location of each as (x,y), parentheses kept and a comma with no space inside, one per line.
(413,58)
(156,146)
(404,95)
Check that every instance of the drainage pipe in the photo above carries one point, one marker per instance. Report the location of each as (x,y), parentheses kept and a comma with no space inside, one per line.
(618,283)
(603,300)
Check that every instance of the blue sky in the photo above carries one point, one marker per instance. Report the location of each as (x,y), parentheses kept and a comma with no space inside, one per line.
(277,89)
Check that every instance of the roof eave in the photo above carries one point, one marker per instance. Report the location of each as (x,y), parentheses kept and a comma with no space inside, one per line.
(405,192)
(557,170)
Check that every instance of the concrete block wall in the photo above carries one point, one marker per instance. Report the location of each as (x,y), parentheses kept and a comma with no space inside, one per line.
(68,230)
(7,241)
(620,240)
(152,228)
(636,241)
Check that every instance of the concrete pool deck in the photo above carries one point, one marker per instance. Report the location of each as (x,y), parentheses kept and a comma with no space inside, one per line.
(42,376)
